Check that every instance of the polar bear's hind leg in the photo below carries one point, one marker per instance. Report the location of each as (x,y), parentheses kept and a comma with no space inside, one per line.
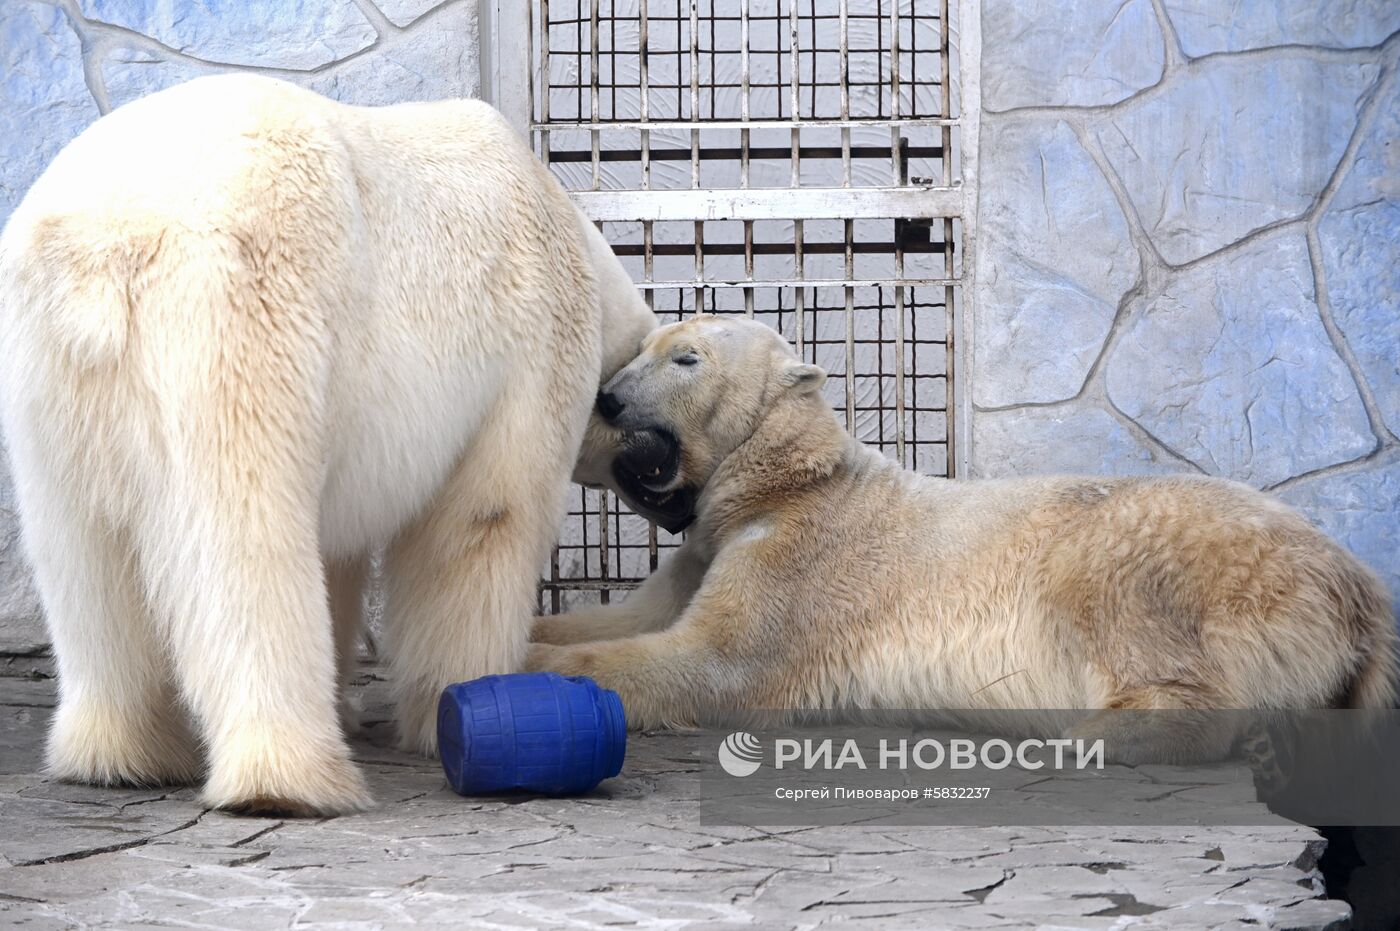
(232,545)
(118,721)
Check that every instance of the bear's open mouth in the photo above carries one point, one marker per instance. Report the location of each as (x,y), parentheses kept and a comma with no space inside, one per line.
(649,462)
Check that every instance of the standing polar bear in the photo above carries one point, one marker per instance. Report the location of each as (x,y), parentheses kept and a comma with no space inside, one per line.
(819,574)
(251,334)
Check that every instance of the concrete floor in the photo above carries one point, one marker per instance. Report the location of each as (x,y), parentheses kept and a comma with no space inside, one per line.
(631,855)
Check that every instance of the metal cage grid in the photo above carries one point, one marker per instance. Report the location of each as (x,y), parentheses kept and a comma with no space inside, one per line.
(791,160)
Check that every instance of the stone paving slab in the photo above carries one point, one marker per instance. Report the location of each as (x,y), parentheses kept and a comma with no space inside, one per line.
(633,854)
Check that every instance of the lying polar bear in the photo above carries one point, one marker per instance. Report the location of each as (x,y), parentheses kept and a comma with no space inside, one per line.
(250,334)
(819,574)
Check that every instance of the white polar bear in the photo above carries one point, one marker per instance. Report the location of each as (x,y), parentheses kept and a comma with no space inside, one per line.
(249,334)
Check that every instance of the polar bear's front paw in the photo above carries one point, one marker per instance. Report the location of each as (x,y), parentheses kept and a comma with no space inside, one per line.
(296,783)
(644,694)
(565,660)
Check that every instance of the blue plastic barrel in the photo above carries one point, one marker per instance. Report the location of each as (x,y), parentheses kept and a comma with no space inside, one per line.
(532,731)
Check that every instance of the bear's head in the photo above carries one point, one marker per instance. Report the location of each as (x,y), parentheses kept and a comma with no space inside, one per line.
(697,390)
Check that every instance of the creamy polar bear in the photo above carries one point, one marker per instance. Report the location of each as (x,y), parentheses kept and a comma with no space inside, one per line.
(819,574)
(250,334)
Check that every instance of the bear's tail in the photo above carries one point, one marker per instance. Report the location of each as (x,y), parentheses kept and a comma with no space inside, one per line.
(1374,685)
(1375,681)
(61,276)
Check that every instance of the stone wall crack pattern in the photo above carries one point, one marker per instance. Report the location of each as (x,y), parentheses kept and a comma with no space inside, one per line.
(353,51)
(1257,180)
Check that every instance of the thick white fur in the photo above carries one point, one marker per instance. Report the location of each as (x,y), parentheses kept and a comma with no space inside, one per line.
(819,574)
(250,334)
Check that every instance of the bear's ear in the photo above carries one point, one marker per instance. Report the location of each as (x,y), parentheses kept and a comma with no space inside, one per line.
(802,377)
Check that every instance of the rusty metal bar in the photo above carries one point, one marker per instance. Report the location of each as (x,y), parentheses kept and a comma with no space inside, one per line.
(756,123)
(850,330)
(846,152)
(593,84)
(644,90)
(730,153)
(797,204)
(695,92)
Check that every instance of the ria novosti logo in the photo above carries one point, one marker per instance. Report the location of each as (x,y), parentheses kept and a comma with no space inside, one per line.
(740,754)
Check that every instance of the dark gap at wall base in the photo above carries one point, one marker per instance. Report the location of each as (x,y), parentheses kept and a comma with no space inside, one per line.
(1361,867)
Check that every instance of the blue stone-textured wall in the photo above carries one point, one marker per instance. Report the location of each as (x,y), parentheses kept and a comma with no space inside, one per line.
(65,63)
(1189,249)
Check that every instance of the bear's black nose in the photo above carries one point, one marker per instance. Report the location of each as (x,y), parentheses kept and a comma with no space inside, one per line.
(609,406)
